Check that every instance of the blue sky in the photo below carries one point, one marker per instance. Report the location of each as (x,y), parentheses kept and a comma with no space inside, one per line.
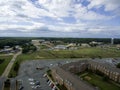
(60,18)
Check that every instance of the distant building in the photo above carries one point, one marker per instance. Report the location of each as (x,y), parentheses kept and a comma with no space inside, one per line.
(94,43)
(71,46)
(6,50)
(60,47)
(76,67)
(85,45)
(41,40)
(6,47)
(35,42)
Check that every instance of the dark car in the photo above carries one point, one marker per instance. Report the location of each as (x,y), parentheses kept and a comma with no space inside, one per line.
(47,80)
(21,87)
(37,83)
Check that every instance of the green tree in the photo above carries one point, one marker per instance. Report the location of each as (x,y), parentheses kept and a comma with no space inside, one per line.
(118,65)
(7,83)
(16,66)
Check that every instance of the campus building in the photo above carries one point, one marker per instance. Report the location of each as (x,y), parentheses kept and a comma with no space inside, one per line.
(64,74)
(76,67)
(70,81)
(112,72)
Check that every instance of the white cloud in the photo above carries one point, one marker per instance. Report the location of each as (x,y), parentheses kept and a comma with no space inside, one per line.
(83,13)
(23,28)
(26,16)
(59,8)
(108,4)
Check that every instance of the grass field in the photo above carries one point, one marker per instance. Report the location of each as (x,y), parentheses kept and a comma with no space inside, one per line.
(98,81)
(43,47)
(80,53)
(5,63)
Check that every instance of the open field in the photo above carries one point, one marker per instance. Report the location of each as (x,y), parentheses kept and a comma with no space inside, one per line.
(99,82)
(43,47)
(80,53)
(5,63)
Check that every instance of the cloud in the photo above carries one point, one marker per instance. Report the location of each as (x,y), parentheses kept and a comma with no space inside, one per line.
(109,5)
(84,14)
(91,17)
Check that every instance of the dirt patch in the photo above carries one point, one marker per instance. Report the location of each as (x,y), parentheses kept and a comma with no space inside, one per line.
(87,78)
(38,57)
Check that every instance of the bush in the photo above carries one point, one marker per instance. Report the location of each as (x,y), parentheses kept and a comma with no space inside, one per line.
(118,65)
(28,47)
(16,66)
(1,61)
(105,78)
(7,83)
(99,73)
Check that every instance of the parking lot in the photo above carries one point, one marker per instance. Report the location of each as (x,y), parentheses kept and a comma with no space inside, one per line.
(31,73)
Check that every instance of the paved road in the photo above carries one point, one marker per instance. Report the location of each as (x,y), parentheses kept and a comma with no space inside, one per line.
(2,79)
(12,84)
(8,68)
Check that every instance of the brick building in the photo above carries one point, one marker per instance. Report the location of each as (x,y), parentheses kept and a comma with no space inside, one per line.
(112,72)
(64,74)
(70,81)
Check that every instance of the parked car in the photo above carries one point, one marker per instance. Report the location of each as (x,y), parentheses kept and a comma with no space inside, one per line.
(31,79)
(37,83)
(21,87)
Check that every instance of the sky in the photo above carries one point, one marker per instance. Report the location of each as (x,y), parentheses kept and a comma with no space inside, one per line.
(60,18)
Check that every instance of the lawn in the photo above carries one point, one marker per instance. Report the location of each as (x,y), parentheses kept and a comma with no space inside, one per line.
(80,53)
(43,47)
(98,81)
(4,64)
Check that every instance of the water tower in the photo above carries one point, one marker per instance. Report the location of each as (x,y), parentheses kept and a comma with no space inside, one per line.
(112,41)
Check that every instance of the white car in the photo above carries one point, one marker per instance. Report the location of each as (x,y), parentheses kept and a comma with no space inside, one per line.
(48,82)
(44,75)
(34,87)
(31,79)
(32,83)
(37,86)
(54,88)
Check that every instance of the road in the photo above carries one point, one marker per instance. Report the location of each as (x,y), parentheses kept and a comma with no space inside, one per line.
(2,79)
(7,70)
(12,84)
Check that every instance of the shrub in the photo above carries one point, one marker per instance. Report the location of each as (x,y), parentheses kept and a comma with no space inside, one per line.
(118,65)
